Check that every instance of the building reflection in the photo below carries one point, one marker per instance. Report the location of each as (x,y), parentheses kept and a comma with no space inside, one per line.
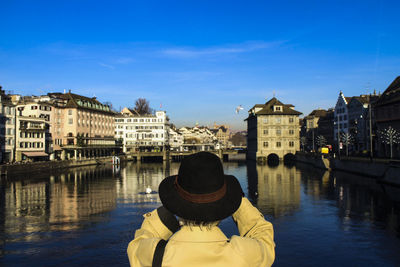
(135,178)
(80,194)
(59,202)
(275,190)
(362,199)
(358,199)
(315,182)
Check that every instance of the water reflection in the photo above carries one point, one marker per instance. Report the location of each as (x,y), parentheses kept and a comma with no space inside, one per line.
(93,212)
(358,199)
(275,189)
(135,178)
(56,203)
(361,199)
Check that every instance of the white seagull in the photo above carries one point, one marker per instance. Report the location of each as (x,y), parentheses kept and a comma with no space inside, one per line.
(148,190)
(238,108)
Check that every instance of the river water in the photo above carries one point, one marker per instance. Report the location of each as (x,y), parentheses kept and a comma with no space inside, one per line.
(87,216)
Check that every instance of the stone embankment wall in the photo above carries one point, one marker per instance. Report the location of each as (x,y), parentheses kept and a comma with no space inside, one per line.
(385,171)
(48,166)
(314,159)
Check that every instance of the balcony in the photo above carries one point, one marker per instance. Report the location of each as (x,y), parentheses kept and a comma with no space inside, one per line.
(30,126)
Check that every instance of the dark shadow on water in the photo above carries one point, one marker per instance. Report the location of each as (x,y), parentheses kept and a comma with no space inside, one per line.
(252,180)
(289,160)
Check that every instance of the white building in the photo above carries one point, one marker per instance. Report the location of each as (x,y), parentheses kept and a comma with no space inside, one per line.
(7,128)
(36,133)
(198,138)
(176,140)
(144,132)
(341,119)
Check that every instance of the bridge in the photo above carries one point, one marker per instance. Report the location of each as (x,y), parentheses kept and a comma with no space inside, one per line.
(178,155)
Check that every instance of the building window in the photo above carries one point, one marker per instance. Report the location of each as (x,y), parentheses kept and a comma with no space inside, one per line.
(265,120)
(70,112)
(291,120)
(291,132)
(291,143)
(278,132)
(265,144)
(278,120)
(70,121)
(278,144)
(265,131)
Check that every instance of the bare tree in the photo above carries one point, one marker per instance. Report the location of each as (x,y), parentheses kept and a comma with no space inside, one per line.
(390,136)
(142,106)
(347,139)
(321,140)
(303,141)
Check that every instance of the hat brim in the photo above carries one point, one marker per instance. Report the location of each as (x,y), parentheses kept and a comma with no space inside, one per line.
(204,212)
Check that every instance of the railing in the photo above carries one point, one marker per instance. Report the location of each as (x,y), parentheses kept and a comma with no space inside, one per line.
(32,127)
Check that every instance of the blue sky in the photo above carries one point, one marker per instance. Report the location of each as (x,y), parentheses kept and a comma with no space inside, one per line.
(201,59)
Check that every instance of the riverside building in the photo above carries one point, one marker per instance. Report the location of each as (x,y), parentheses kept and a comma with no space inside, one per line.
(273,130)
(146,132)
(223,135)
(199,138)
(312,127)
(34,141)
(82,126)
(341,117)
(7,128)
(387,114)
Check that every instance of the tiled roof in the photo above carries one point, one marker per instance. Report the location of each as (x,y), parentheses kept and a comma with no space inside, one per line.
(391,94)
(268,108)
(75,101)
(318,113)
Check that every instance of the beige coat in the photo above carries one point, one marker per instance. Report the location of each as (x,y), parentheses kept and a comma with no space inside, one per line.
(195,246)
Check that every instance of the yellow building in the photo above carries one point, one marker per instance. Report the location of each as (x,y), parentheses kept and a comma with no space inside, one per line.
(33,141)
(223,134)
(273,130)
(82,126)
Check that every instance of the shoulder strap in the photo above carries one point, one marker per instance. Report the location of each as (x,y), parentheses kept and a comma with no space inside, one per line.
(159,253)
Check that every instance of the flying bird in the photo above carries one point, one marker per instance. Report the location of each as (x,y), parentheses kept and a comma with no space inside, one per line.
(238,108)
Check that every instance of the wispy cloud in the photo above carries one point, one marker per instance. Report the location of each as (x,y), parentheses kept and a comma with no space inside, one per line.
(191,52)
(111,67)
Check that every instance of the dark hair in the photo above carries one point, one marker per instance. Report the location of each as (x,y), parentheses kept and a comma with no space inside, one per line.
(201,224)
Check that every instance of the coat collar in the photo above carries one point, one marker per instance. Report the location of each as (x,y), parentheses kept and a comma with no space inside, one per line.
(197,234)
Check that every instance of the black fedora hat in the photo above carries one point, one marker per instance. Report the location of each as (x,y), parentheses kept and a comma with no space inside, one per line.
(201,191)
